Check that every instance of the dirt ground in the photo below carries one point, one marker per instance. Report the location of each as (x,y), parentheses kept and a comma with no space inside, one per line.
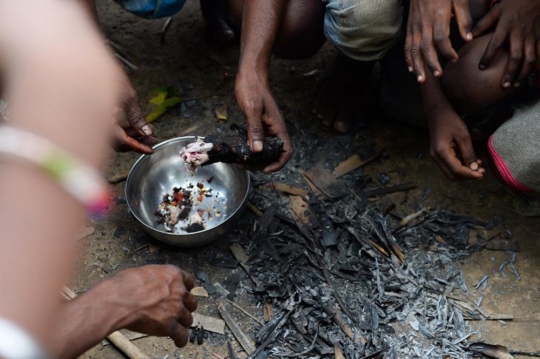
(198,67)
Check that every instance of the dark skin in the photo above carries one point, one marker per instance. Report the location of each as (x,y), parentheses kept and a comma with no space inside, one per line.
(133,134)
(153,300)
(516,22)
(465,88)
(287,29)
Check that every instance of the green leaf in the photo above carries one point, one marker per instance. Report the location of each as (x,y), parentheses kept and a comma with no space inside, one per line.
(162,93)
(163,107)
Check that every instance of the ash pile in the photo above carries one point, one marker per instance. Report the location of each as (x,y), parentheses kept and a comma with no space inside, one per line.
(341,276)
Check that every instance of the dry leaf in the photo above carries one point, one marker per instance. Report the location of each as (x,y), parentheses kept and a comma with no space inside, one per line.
(221,113)
(199,292)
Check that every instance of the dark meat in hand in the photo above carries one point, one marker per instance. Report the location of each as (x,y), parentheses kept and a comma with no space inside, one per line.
(230,149)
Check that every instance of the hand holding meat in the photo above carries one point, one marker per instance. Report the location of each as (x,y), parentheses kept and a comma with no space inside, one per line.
(263,116)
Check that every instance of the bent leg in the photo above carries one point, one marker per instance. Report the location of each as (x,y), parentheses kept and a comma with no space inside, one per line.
(515,150)
(363,30)
(300,34)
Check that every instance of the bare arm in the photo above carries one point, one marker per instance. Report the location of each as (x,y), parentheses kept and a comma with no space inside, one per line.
(449,134)
(62,85)
(260,24)
(153,299)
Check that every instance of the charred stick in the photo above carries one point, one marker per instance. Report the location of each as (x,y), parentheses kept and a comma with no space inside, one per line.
(232,354)
(244,341)
(388,190)
(338,319)
(338,297)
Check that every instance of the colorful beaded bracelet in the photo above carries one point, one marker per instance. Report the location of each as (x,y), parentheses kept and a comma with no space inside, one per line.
(77,178)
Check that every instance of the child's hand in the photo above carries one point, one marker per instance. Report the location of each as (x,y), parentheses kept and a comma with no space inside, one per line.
(516,25)
(428,30)
(448,133)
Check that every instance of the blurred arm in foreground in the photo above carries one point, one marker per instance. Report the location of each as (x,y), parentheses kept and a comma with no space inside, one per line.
(63,88)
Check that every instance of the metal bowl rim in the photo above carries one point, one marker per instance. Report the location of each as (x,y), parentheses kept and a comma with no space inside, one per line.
(161,144)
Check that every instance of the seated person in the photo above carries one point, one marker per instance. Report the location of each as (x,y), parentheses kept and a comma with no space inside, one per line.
(477,84)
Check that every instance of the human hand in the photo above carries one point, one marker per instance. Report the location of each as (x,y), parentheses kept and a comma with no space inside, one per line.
(262,115)
(448,133)
(155,300)
(518,23)
(428,31)
(132,133)
(126,138)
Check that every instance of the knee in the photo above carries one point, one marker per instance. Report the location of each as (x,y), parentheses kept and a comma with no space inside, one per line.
(470,89)
(514,150)
(363,30)
(301,31)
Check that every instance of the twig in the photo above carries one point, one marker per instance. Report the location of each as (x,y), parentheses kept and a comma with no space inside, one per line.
(387,190)
(118,177)
(244,311)
(244,341)
(338,319)
(164,29)
(126,62)
(310,348)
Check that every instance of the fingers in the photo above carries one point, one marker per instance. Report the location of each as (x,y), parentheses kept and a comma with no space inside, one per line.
(407,48)
(463,18)
(253,114)
(418,42)
(453,168)
(467,150)
(441,37)
(442,41)
(189,280)
(122,143)
(445,157)
(185,318)
(486,23)
(179,335)
(276,126)
(493,47)
(529,61)
(134,113)
(515,59)
(285,156)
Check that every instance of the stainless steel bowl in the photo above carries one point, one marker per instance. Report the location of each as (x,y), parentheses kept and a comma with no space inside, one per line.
(153,176)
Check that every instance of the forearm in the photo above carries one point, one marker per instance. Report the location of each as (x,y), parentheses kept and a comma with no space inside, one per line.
(260,24)
(433,95)
(60,85)
(85,321)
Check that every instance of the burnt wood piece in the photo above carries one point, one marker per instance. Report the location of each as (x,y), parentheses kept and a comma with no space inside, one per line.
(235,149)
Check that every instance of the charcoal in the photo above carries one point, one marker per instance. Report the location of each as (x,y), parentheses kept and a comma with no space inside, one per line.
(348,281)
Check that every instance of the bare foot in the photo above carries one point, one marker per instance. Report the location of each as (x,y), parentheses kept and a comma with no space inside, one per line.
(339,92)
(219,22)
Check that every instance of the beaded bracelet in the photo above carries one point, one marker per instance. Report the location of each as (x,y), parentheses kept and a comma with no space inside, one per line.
(16,343)
(75,177)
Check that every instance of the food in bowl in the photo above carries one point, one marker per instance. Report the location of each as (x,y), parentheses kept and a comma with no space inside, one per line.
(188,207)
